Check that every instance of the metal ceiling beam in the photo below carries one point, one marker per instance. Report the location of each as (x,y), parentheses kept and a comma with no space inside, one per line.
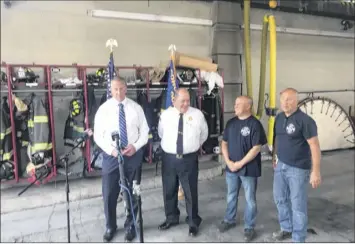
(330,9)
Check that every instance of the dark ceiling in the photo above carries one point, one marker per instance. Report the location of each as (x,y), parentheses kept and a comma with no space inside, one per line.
(325,8)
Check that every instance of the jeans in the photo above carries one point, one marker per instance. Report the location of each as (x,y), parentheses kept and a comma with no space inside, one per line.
(290,196)
(233,184)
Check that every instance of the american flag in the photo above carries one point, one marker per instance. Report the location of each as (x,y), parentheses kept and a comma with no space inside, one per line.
(110,73)
(173,85)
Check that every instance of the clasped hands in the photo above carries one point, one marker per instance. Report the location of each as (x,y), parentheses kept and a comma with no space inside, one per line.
(235,166)
(127,151)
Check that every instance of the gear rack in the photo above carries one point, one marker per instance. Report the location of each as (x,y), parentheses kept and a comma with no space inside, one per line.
(51,92)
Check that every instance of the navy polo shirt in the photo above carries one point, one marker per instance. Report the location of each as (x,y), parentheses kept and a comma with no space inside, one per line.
(291,135)
(241,136)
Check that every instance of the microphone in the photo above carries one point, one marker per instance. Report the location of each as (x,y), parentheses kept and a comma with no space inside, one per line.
(116,137)
(87,134)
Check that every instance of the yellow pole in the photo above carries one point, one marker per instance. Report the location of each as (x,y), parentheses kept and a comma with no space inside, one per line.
(272,101)
(247,53)
(262,81)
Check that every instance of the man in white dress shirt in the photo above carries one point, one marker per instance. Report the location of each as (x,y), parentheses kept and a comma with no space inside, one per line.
(182,129)
(120,114)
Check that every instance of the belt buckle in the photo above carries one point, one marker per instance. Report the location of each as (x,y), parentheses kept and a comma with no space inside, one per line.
(179,156)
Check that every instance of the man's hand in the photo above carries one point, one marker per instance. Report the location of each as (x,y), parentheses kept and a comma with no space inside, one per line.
(89,132)
(230,164)
(234,166)
(274,162)
(129,150)
(315,179)
(237,166)
(114,153)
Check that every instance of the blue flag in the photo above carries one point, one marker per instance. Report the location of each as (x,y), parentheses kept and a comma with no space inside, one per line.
(110,73)
(173,85)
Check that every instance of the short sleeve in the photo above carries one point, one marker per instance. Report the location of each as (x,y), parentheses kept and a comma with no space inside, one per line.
(309,128)
(226,132)
(258,135)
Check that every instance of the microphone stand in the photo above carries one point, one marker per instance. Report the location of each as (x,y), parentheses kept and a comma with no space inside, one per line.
(65,158)
(137,193)
(41,176)
(127,197)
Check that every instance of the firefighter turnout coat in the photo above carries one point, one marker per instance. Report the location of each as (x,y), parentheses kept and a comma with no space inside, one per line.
(6,151)
(39,130)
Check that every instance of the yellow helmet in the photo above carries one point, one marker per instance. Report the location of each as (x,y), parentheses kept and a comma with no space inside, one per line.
(100,72)
(76,107)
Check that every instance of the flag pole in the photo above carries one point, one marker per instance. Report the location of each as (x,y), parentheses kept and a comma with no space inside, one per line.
(172,49)
(111,43)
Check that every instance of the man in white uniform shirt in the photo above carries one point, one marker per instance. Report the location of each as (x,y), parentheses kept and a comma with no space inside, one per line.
(120,114)
(182,129)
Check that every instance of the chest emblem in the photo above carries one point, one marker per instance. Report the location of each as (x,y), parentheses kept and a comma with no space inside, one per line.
(190,118)
(245,131)
(290,129)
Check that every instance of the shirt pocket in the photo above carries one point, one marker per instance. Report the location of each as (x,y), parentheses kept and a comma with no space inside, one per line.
(192,129)
(132,120)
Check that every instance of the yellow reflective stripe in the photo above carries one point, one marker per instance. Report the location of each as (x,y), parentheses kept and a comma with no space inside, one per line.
(37,119)
(6,156)
(7,131)
(30,123)
(41,147)
(150,136)
(347,2)
(77,128)
(41,119)
(25,143)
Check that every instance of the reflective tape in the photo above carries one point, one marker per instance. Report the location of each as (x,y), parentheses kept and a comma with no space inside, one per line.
(77,128)
(41,147)
(7,131)
(37,120)
(5,156)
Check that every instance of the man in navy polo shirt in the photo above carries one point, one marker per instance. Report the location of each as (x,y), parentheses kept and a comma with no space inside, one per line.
(242,140)
(297,162)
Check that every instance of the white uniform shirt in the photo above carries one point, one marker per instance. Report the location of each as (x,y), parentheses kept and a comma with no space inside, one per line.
(195,130)
(107,121)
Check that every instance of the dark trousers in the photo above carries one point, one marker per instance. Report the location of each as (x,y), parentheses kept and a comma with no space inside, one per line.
(184,170)
(111,187)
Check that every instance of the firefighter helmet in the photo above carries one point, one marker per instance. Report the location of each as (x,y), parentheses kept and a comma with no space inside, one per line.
(100,72)
(7,171)
(76,107)
(3,77)
(26,75)
(186,74)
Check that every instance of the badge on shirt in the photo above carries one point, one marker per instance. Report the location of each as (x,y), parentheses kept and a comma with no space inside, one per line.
(245,131)
(290,129)
(190,118)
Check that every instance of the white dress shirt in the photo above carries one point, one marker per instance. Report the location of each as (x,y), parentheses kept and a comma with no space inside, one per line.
(195,130)
(107,121)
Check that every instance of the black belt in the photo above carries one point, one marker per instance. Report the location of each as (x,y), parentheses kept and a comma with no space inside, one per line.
(181,156)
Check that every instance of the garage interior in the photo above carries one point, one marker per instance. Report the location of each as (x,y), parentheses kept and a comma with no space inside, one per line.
(68,40)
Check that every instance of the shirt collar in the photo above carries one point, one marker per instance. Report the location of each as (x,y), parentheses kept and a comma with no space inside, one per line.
(178,112)
(294,113)
(124,102)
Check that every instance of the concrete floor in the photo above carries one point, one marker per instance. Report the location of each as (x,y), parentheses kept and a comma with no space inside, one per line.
(41,217)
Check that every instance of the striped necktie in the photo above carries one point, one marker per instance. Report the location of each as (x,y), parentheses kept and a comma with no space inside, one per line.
(179,143)
(122,124)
